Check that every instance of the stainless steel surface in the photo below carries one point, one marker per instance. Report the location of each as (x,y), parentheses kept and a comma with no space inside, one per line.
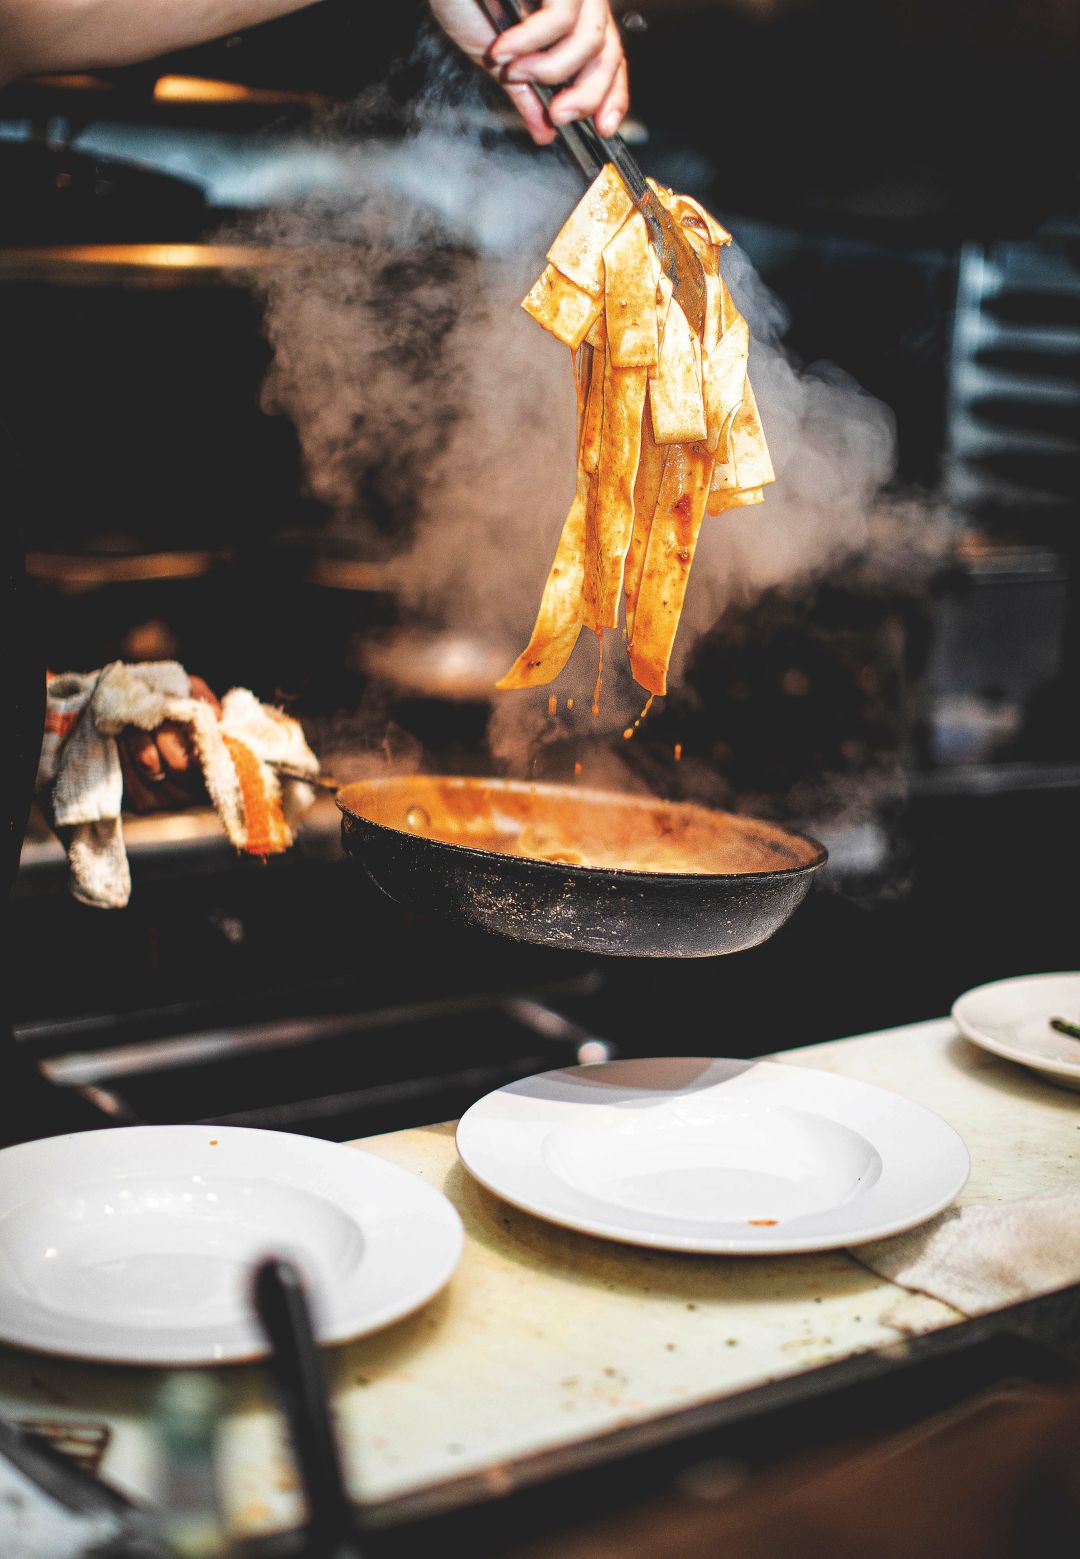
(432,664)
(87,571)
(146,265)
(333,1074)
(79,1068)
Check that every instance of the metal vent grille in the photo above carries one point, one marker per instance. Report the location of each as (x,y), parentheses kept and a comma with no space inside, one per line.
(1014,424)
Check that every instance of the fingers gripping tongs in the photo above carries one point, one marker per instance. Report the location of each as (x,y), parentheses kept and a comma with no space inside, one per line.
(591,151)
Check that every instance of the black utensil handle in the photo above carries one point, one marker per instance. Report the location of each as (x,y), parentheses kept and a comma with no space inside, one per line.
(317,781)
(298,1372)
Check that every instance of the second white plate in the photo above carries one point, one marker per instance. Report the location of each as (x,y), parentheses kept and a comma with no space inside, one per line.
(137,1245)
(721,1157)
(1012,1019)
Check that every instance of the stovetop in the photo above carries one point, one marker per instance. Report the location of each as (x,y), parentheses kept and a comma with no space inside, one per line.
(340,1075)
(296,996)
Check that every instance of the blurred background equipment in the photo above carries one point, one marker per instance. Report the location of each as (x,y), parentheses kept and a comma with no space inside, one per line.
(903,178)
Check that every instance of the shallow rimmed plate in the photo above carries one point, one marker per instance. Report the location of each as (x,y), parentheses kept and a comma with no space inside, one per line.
(136,1245)
(1011,1018)
(720,1157)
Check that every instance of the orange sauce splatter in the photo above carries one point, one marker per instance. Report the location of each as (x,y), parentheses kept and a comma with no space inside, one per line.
(599,673)
(577,768)
(678,752)
(553,704)
(630,729)
(569,703)
(762,1223)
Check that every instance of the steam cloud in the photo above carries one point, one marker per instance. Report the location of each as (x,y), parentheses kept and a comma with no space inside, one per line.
(421,390)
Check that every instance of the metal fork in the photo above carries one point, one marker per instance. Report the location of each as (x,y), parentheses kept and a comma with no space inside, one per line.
(591,151)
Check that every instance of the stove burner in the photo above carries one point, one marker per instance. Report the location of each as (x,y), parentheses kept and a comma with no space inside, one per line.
(339,1076)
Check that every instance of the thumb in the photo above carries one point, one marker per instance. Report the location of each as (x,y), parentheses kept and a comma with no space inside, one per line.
(531,110)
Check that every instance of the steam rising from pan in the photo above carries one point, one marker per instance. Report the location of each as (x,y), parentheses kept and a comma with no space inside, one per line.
(424,395)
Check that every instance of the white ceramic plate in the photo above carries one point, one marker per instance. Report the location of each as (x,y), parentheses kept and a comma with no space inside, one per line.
(1011,1018)
(137,1245)
(722,1157)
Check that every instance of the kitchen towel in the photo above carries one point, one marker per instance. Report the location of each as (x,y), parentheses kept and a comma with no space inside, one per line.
(980,1257)
(81,788)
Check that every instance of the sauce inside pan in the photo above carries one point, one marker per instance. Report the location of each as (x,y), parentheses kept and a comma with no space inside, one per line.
(577,826)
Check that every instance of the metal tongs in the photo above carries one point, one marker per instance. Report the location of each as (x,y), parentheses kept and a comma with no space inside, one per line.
(591,151)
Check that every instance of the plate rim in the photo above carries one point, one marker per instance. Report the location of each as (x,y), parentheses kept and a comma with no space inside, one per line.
(621,874)
(763,1244)
(1014,1053)
(330,1331)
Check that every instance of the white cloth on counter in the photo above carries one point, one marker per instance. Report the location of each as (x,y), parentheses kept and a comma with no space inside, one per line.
(81,786)
(987,1255)
(35,1524)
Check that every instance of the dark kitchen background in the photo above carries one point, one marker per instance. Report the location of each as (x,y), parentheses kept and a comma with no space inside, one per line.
(904,178)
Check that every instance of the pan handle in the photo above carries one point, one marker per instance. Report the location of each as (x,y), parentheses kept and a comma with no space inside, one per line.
(319,781)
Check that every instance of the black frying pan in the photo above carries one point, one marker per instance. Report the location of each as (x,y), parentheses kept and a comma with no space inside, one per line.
(442,845)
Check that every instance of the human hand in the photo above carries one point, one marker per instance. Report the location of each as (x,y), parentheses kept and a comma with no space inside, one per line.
(572,41)
(161,768)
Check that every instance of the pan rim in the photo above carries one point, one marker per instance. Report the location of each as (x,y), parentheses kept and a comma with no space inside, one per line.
(616,873)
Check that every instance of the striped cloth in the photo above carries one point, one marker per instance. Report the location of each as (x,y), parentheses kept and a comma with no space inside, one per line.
(80,784)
